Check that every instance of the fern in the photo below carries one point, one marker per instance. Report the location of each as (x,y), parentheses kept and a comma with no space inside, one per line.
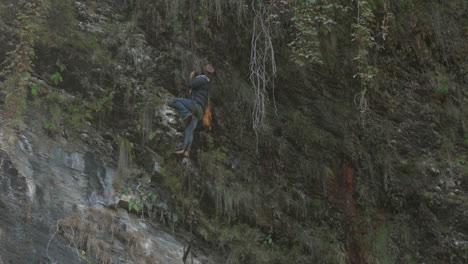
(56,78)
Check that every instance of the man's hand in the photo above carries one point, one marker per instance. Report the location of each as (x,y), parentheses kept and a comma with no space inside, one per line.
(192,74)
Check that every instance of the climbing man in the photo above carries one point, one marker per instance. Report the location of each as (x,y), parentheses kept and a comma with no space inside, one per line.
(192,109)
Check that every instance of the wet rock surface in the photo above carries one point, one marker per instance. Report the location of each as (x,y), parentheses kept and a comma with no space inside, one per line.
(57,187)
(387,183)
(43,185)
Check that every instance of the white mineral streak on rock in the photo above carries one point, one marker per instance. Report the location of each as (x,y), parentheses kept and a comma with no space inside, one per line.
(148,246)
(31,188)
(25,145)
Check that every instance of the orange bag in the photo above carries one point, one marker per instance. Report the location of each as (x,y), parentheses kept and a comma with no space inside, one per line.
(207,118)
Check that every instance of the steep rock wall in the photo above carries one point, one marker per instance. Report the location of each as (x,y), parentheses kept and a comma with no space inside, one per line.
(342,175)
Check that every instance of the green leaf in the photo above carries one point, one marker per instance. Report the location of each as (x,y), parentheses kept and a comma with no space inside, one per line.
(175,217)
(137,208)
(133,204)
(163,205)
(461,159)
(47,124)
(56,78)
(126,190)
(61,66)
(153,197)
(152,134)
(34,90)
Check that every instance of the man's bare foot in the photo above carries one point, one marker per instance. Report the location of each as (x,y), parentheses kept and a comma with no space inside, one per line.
(186,153)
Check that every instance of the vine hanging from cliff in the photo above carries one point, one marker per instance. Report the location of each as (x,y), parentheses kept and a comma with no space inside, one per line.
(19,62)
(262,64)
(366,32)
(311,20)
(363,36)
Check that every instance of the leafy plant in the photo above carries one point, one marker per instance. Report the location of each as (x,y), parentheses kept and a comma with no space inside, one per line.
(268,240)
(137,204)
(82,255)
(152,134)
(363,36)
(50,127)
(164,210)
(60,65)
(134,204)
(442,87)
(34,89)
(126,190)
(175,217)
(146,195)
(76,115)
(311,20)
(19,62)
(406,4)
(104,103)
(163,206)
(56,78)
(461,159)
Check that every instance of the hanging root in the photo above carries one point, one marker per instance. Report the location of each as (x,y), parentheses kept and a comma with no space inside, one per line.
(262,64)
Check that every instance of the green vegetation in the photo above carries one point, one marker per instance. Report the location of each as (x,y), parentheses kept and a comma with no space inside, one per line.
(381,245)
(56,78)
(461,159)
(63,36)
(406,4)
(133,204)
(34,90)
(312,21)
(82,255)
(19,63)
(291,175)
(64,112)
(50,128)
(442,87)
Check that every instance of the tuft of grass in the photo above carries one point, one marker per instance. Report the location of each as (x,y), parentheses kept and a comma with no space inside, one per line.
(406,4)
(319,246)
(87,233)
(461,159)
(442,86)
(381,245)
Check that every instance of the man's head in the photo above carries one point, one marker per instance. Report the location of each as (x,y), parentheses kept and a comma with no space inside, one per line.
(208,69)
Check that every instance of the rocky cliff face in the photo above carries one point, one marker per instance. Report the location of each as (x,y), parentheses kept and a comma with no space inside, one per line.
(58,188)
(59,205)
(364,159)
